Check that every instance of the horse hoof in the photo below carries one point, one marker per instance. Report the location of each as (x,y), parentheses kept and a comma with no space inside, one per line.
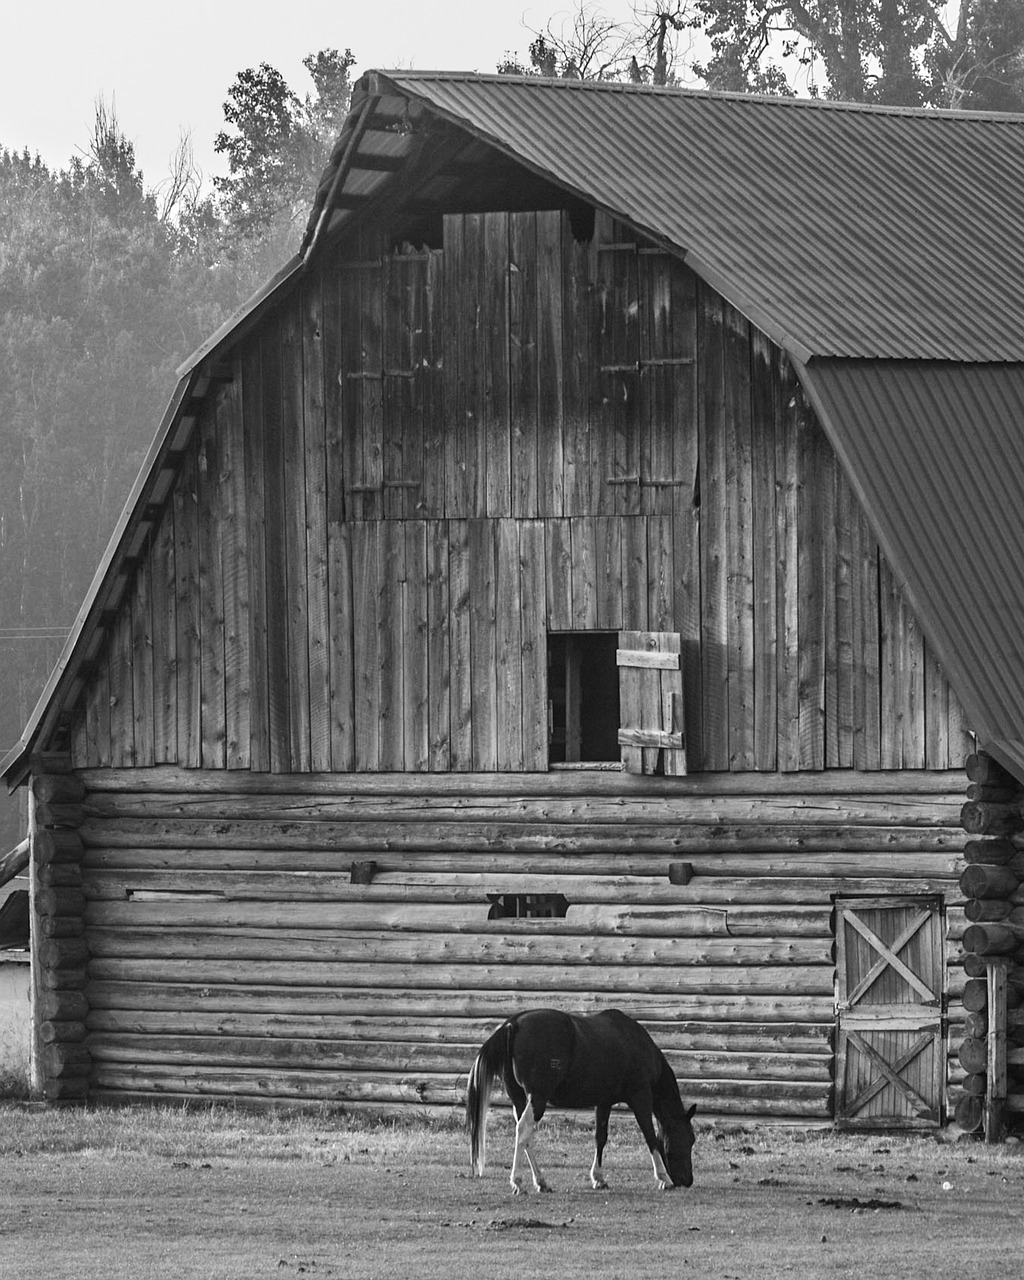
(599,1186)
(543,1188)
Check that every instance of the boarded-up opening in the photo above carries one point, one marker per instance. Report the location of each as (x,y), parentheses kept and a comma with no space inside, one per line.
(651,702)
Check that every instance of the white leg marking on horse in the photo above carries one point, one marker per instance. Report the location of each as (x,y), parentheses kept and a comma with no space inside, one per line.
(525,1127)
(597,1177)
(660,1172)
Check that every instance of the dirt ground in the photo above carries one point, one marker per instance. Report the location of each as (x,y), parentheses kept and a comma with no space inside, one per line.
(224,1197)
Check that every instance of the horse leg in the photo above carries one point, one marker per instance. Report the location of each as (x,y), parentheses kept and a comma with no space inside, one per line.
(600,1138)
(526,1123)
(642,1107)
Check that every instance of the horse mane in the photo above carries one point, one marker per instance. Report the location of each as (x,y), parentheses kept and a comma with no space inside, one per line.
(668,1105)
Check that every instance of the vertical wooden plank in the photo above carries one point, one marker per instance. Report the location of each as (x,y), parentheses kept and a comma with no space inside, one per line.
(891,640)
(914,724)
(714,530)
(336,344)
(609,584)
(390,643)
(432,381)
(995,1096)
(119,667)
(667,356)
(210,501)
(254,536)
(508,648)
(142,661)
(532,596)
(676,401)
(483,639)
(314,435)
(415,626)
(763,399)
(579,269)
(97,712)
(275,560)
(631,700)
(235,559)
(395,382)
(523,362)
(660,571)
(584,573)
(634,591)
(461,603)
(787,585)
(493,353)
(831,568)
(456,359)
(405,346)
(811,624)
(342,655)
(558,550)
(841,710)
(366,638)
(961,740)
(368,503)
(936,712)
(867,694)
(187,606)
(616,438)
(739,547)
(551,379)
(439,655)
(164,630)
(295,520)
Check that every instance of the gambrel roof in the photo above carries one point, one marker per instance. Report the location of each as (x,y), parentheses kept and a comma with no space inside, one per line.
(882,249)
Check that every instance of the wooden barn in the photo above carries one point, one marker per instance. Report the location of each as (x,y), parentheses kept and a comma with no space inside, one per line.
(578,578)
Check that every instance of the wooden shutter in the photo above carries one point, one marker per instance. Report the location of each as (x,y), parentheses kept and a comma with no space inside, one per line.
(651,701)
(890,991)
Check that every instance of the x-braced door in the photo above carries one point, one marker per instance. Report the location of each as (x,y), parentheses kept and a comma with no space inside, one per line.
(890,994)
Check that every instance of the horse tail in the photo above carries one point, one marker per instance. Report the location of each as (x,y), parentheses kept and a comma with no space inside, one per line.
(489,1065)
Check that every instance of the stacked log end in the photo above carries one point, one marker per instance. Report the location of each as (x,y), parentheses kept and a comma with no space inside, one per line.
(60,950)
(992,1053)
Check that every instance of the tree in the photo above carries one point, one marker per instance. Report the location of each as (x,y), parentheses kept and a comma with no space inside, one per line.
(895,52)
(278,150)
(588,45)
(104,290)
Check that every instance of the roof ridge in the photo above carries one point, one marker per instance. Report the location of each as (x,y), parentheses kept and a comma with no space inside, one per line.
(687,91)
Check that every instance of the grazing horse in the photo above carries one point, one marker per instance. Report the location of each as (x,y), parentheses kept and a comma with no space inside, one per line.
(546,1057)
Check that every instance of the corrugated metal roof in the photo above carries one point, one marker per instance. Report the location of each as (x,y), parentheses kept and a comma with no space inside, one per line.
(840,230)
(935,452)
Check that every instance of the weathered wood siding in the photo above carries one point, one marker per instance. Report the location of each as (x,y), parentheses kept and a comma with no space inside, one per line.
(232,954)
(426,461)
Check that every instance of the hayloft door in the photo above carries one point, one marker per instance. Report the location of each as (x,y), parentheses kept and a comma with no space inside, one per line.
(651,702)
(890,995)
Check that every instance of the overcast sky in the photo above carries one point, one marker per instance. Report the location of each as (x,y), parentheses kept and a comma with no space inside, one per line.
(168,66)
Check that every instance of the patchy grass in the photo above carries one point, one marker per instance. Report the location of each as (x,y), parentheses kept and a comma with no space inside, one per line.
(220,1193)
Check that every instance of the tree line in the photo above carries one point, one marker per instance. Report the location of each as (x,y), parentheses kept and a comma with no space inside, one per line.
(107,284)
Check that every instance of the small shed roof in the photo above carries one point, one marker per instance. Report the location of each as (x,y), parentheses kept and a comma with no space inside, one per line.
(881,248)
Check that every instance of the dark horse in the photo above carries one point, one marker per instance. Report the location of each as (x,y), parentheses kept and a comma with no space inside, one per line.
(545,1057)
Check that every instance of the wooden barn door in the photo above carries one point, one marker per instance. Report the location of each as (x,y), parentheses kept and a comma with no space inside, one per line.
(890,991)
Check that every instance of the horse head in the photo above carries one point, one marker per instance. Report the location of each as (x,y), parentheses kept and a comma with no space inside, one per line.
(678,1138)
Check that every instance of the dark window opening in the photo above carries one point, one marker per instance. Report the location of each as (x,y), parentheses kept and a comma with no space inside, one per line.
(583,697)
(527,906)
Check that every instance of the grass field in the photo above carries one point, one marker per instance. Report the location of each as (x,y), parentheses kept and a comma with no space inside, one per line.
(223,1193)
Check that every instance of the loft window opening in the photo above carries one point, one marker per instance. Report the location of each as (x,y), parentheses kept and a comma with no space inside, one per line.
(583,698)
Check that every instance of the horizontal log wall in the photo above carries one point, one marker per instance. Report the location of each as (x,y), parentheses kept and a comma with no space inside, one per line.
(236,951)
(426,462)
